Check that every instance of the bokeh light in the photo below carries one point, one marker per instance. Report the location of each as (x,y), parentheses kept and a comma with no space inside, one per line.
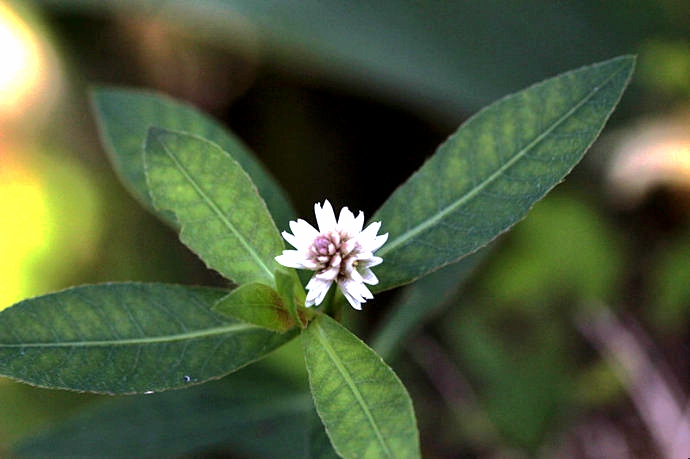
(25,234)
(29,77)
(52,221)
(656,152)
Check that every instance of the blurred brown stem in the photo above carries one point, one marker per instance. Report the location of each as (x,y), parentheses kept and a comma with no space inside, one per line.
(653,391)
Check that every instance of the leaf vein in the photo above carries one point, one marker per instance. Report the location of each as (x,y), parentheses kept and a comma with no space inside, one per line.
(214,207)
(347,377)
(479,186)
(205,333)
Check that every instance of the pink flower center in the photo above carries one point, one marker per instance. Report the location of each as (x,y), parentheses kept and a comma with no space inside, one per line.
(331,251)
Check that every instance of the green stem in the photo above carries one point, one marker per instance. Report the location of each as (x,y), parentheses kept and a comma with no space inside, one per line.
(330,305)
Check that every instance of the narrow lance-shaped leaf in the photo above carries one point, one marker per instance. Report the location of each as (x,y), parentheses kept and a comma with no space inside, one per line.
(256,304)
(124,116)
(252,412)
(364,406)
(126,338)
(223,218)
(487,175)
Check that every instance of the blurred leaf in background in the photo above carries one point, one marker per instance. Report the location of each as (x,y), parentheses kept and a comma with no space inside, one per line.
(520,368)
(25,409)
(221,416)
(514,337)
(437,55)
(564,250)
(665,66)
(670,289)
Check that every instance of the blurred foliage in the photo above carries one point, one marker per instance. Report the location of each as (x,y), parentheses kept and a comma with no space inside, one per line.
(665,66)
(518,365)
(670,285)
(436,56)
(26,408)
(515,338)
(565,249)
(316,86)
(229,413)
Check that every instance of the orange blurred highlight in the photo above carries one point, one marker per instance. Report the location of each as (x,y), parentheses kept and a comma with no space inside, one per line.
(28,72)
(655,153)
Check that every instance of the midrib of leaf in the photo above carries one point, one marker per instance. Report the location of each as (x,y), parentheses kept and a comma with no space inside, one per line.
(234,328)
(353,388)
(216,209)
(477,189)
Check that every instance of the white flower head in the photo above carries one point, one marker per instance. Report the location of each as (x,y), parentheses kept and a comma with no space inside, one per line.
(339,251)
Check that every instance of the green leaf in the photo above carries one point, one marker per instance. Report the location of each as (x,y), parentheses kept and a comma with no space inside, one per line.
(126,338)
(124,116)
(487,175)
(252,413)
(520,358)
(318,444)
(291,290)
(364,406)
(256,304)
(223,218)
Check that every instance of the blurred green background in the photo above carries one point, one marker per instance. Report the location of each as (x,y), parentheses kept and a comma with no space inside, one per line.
(344,100)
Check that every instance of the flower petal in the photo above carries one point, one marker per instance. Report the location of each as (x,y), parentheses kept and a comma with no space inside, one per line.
(368,238)
(303,231)
(318,288)
(345,220)
(378,242)
(370,262)
(339,251)
(358,223)
(368,277)
(294,259)
(356,276)
(348,246)
(356,290)
(325,217)
(292,240)
(352,296)
(370,231)
(329,274)
(354,302)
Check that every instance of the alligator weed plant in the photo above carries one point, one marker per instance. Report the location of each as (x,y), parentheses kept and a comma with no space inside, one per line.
(136,338)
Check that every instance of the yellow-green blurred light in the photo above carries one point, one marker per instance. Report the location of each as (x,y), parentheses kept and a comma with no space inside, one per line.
(51,222)
(24,234)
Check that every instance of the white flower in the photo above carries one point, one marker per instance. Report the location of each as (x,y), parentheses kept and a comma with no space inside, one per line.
(339,252)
